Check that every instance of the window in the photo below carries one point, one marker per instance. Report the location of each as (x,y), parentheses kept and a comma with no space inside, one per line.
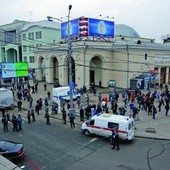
(91,122)
(38,35)
(31,36)
(32,59)
(113,125)
(146,56)
(24,48)
(31,47)
(23,37)
(25,58)
(130,126)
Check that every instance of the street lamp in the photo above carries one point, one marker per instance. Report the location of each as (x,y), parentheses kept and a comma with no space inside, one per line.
(51,18)
(71,84)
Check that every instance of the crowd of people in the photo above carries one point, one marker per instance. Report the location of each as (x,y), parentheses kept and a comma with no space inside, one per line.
(132,102)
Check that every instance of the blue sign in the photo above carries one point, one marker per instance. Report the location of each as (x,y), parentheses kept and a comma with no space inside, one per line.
(8,70)
(101,28)
(74,28)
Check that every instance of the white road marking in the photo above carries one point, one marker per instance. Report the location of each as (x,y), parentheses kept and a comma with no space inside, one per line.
(92,140)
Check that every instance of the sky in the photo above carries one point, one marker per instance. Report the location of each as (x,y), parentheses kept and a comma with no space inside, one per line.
(150,18)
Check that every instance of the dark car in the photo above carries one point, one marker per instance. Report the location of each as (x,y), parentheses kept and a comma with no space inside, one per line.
(11,150)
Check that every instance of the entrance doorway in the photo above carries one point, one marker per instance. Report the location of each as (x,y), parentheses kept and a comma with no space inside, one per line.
(92,76)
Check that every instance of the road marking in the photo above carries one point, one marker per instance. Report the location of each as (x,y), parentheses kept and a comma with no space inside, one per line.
(34,166)
(94,139)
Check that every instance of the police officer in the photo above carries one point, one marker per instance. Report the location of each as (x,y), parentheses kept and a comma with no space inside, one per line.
(5,123)
(115,139)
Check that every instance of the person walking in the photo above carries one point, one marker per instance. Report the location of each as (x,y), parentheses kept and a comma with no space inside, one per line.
(33,115)
(81,114)
(48,95)
(47,116)
(115,139)
(45,87)
(154,111)
(29,116)
(64,115)
(19,104)
(37,108)
(166,109)
(72,117)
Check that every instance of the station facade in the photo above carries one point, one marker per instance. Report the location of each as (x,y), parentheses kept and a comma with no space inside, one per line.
(92,62)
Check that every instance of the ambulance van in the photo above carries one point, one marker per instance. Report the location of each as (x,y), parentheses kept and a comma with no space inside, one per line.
(103,124)
(6,98)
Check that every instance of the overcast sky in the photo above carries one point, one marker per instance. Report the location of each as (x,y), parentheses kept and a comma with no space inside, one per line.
(150,18)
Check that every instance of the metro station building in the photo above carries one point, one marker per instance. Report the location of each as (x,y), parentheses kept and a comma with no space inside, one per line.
(94,59)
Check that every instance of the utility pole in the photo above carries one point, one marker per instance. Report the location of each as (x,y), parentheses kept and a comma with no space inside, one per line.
(85,49)
(127,49)
(71,84)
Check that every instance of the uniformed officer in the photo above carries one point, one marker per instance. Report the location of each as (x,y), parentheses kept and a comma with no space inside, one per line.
(115,139)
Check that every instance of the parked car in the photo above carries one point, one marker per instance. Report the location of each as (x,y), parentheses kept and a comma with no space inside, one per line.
(11,150)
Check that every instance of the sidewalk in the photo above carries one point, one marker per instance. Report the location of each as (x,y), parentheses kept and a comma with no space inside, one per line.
(160,125)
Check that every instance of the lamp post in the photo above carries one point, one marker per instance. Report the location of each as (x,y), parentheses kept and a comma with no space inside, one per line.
(50,18)
(127,48)
(71,84)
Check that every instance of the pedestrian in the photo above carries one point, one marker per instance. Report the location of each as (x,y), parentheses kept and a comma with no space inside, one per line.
(33,115)
(45,86)
(15,123)
(154,111)
(81,114)
(72,117)
(47,116)
(99,98)
(46,109)
(30,102)
(37,108)
(78,102)
(100,84)
(29,116)
(48,95)
(166,109)
(115,139)
(19,121)
(64,115)
(5,123)
(19,104)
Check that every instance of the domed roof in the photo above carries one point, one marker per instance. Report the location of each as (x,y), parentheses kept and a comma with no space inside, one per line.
(124,30)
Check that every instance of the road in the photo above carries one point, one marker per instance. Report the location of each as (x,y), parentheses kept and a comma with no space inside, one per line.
(58,147)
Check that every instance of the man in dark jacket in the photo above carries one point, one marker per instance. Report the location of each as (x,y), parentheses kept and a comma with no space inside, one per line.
(5,123)
(115,139)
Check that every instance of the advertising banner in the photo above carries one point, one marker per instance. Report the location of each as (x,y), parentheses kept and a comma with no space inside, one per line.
(74,28)
(8,70)
(101,28)
(13,70)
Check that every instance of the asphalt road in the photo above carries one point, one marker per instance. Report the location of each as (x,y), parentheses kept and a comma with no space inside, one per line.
(58,147)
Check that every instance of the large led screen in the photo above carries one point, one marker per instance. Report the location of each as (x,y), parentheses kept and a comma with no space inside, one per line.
(74,28)
(21,69)
(12,70)
(101,28)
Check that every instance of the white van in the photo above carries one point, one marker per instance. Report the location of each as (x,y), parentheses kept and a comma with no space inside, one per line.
(103,124)
(63,92)
(6,98)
